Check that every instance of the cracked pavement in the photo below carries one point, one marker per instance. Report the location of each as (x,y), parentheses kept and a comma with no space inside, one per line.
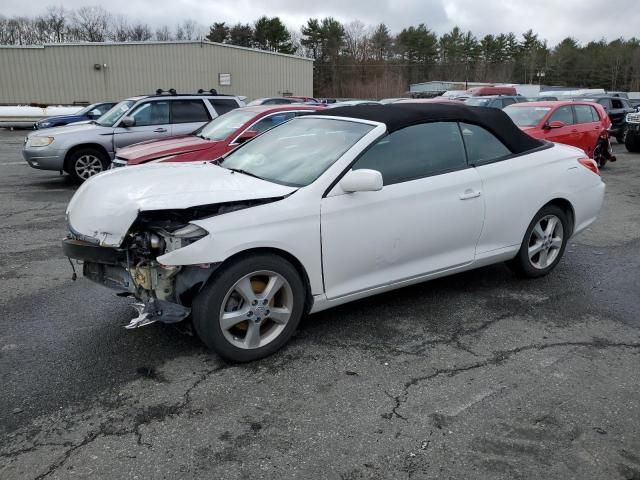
(480,375)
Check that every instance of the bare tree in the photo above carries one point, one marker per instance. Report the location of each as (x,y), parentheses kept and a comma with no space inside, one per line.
(91,24)
(120,29)
(140,32)
(56,17)
(191,30)
(163,34)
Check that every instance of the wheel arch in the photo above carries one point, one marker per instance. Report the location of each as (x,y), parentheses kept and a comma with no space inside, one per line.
(566,206)
(297,264)
(75,148)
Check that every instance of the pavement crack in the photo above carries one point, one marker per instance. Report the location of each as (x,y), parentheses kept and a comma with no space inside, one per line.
(497,358)
(142,417)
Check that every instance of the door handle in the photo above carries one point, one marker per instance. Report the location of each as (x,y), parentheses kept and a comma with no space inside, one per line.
(160,130)
(574,131)
(469,194)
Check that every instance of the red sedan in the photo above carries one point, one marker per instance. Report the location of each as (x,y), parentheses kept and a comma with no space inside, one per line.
(581,124)
(214,139)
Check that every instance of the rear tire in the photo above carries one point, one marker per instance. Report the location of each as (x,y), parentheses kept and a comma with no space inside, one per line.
(543,244)
(250,308)
(600,154)
(632,142)
(85,163)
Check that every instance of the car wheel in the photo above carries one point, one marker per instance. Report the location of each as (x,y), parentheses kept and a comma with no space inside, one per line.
(622,137)
(600,154)
(250,308)
(85,163)
(632,144)
(543,244)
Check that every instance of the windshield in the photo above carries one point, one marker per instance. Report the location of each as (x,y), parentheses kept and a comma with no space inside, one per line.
(477,101)
(113,115)
(526,116)
(221,127)
(86,109)
(297,152)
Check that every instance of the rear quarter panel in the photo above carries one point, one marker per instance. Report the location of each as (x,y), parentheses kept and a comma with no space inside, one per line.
(516,189)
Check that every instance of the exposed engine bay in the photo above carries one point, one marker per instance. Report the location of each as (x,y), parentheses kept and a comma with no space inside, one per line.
(165,293)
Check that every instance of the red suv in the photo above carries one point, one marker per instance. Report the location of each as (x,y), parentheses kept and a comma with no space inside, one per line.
(214,139)
(581,124)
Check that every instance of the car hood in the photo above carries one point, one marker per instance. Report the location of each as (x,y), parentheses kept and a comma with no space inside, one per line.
(73,129)
(105,206)
(151,150)
(62,118)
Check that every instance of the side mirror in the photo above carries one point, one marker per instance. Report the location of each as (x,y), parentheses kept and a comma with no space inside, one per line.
(128,122)
(361,181)
(248,135)
(555,124)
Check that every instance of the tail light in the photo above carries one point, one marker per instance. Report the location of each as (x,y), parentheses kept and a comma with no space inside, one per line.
(590,164)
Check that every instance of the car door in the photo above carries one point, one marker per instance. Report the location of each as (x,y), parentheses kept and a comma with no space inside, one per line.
(565,134)
(427,217)
(509,185)
(187,115)
(588,127)
(152,122)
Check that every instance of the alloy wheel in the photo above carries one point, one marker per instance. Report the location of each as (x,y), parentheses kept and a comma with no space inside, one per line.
(256,309)
(545,242)
(87,166)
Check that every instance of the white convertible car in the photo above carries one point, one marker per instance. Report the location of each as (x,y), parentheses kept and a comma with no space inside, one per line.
(326,209)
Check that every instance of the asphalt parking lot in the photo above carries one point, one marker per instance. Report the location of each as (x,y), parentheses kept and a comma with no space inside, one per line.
(480,375)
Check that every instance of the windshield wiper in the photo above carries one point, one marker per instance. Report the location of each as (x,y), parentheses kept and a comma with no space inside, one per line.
(239,170)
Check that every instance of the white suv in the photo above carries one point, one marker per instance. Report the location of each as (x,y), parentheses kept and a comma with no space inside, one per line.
(85,149)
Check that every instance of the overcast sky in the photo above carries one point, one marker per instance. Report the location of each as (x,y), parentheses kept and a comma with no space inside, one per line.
(553,19)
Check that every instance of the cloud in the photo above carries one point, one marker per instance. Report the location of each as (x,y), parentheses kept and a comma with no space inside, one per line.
(584,20)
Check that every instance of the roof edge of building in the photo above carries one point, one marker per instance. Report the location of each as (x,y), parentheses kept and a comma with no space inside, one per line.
(181,42)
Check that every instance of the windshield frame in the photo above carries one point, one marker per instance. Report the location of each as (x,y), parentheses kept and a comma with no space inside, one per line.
(242,147)
(123,102)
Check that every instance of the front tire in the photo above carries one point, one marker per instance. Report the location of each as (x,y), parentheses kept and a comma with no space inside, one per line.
(85,163)
(632,143)
(543,244)
(250,308)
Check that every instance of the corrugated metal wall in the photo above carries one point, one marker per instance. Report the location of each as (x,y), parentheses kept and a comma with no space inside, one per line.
(63,74)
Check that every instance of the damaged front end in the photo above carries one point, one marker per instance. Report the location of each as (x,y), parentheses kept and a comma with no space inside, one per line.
(165,293)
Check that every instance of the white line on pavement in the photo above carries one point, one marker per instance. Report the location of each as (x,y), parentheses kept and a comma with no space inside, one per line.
(13,163)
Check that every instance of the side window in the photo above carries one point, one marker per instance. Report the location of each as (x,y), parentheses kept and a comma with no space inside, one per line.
(223,105)
(605,102)
(271,121)
(415,152)
(585,114)
(616,103)
(594,114)
(482,145)
(151,113)
(189,111)
(507,101)
(562,114)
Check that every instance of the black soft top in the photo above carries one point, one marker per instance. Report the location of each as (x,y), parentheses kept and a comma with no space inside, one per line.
(400,115)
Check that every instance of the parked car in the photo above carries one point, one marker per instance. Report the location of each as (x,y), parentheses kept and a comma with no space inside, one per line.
(304,99)
(351,103)
(214,139)
(275,101)
(321,211)
(632,137)
(86,149)
(581,124)
(90,112)
(491,91)
(495,101)
(617,108)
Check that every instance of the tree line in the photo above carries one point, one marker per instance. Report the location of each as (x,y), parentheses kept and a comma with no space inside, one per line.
(357,60)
